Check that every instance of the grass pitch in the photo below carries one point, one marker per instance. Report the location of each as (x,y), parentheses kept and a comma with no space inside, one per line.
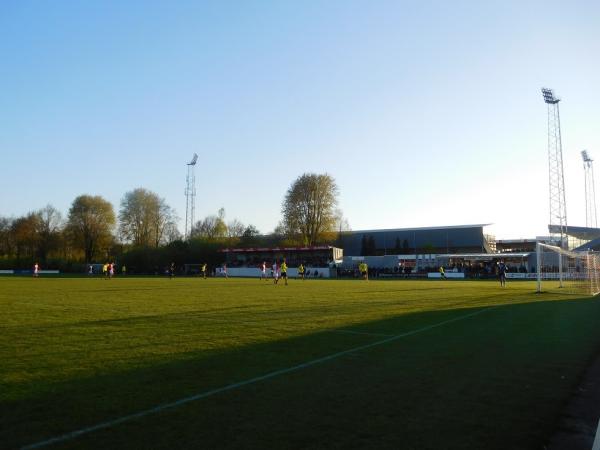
(464,364)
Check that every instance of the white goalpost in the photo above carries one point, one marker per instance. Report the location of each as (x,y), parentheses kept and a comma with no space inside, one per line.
(575,272)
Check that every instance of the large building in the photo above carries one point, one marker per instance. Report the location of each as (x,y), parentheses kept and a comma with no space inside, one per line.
(447,239)
(580,238)
(466,249)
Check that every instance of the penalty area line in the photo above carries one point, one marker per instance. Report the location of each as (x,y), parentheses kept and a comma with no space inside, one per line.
(165,406)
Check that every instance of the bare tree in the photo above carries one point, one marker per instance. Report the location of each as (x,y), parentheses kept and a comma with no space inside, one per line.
(341,223)
(309,207)
(342,229)
(211,227)
(235,229)
(24,232)
(171,233)
(144,218)
(49,232)
(164,224)
(7,245)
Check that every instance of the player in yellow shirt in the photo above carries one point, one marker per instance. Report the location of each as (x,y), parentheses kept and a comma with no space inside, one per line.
(364,270)
(301,271)
(283,268)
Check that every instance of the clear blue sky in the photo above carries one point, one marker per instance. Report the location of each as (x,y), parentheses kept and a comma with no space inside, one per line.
(426,113)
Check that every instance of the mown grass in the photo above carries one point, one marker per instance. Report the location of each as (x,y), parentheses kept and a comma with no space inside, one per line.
(77,352)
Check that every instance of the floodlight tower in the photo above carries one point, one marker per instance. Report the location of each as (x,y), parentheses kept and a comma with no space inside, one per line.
(558,204)
(190,196)
(591,218)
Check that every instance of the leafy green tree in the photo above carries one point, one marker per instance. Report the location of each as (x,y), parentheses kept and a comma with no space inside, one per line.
(309,207)
(250,236)
(250,232)
(90,224)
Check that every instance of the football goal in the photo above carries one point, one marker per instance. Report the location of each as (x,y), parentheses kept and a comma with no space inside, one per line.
(574,272)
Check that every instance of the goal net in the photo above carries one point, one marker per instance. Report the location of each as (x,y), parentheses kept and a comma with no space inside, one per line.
(573,272)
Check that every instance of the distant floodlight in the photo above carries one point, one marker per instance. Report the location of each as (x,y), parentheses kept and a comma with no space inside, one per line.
(190,196)
(586,157)
(549,96)
(194,159)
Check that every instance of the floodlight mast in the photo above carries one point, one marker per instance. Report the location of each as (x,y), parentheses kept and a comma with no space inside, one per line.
(190,196)
(556,179)
(591,218)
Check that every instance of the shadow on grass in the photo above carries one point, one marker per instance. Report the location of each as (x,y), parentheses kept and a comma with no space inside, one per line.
(494,380)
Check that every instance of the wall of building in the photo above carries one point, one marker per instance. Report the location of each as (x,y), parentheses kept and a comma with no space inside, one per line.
(425,240)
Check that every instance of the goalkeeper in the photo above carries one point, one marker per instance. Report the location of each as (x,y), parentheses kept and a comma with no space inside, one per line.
(502,269)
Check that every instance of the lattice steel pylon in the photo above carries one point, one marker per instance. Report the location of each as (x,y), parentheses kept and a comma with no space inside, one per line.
(556,179)
(190,196)
(591,218)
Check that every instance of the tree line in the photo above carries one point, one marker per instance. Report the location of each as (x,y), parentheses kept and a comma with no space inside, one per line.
(143,233)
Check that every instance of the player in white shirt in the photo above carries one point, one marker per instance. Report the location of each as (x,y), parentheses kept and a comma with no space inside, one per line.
(275,272)
(263,271)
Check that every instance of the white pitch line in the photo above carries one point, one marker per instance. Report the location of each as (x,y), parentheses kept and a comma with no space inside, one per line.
(183,401)
(363,333)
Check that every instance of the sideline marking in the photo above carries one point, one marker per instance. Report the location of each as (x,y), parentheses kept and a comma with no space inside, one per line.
(596,445)
(361,333)
(183,401)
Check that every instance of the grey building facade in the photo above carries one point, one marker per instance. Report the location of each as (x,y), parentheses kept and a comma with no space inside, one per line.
(446,239)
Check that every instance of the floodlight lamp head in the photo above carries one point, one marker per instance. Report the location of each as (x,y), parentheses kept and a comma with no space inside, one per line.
(549,96)
(585,156)
(194,159)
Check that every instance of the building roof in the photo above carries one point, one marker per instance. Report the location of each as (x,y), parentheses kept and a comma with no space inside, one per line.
(481,225)
(578,232)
